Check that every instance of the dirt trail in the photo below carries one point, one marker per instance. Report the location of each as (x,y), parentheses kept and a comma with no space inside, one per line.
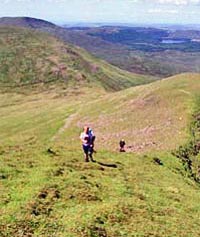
(68,121)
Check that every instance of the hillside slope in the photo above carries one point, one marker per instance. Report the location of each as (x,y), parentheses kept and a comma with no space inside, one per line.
(29,57)
(150,117)
(46,188)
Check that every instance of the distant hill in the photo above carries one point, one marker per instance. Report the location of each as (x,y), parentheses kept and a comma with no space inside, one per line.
(188,34)
(26,22)
(29,57)
(141,49)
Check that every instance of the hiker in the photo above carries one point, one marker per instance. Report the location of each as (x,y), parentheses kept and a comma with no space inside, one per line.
(122,144)
(87,138)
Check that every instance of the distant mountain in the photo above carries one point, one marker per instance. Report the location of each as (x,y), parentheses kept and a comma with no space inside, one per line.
(140,49)
(188,34)
(26,22)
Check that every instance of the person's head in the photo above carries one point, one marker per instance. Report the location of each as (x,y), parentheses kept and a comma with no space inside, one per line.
(86,129)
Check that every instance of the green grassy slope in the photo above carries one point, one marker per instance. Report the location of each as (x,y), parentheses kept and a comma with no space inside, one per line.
(150,117)
(29,57)
(54,193)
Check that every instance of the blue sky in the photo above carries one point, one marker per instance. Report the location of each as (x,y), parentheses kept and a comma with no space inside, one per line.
(123,11)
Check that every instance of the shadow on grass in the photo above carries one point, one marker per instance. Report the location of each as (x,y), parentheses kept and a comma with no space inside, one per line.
(107,165)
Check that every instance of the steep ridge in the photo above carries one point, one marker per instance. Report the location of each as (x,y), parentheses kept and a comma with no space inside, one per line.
(30,57)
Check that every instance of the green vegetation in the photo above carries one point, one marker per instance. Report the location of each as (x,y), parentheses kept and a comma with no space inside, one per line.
(135,49)
(48,91)
(29,57)
(46,188)
(150,117)
(189,153)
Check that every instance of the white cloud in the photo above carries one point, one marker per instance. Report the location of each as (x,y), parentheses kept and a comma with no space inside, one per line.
(171,2)
(179,2)
(57,1)
(159,10)
(10,1)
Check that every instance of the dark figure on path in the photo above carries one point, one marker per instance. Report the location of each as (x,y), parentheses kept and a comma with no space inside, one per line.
(122,144)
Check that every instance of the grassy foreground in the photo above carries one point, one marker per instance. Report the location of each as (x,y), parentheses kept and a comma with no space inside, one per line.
(47,190)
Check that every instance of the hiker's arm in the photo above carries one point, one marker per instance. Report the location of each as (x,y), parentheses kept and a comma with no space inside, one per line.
(81,137)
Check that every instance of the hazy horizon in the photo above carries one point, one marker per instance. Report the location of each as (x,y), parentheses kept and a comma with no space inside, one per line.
(176,12)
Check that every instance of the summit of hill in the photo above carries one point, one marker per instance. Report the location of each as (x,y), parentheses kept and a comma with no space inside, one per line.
(25,22)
